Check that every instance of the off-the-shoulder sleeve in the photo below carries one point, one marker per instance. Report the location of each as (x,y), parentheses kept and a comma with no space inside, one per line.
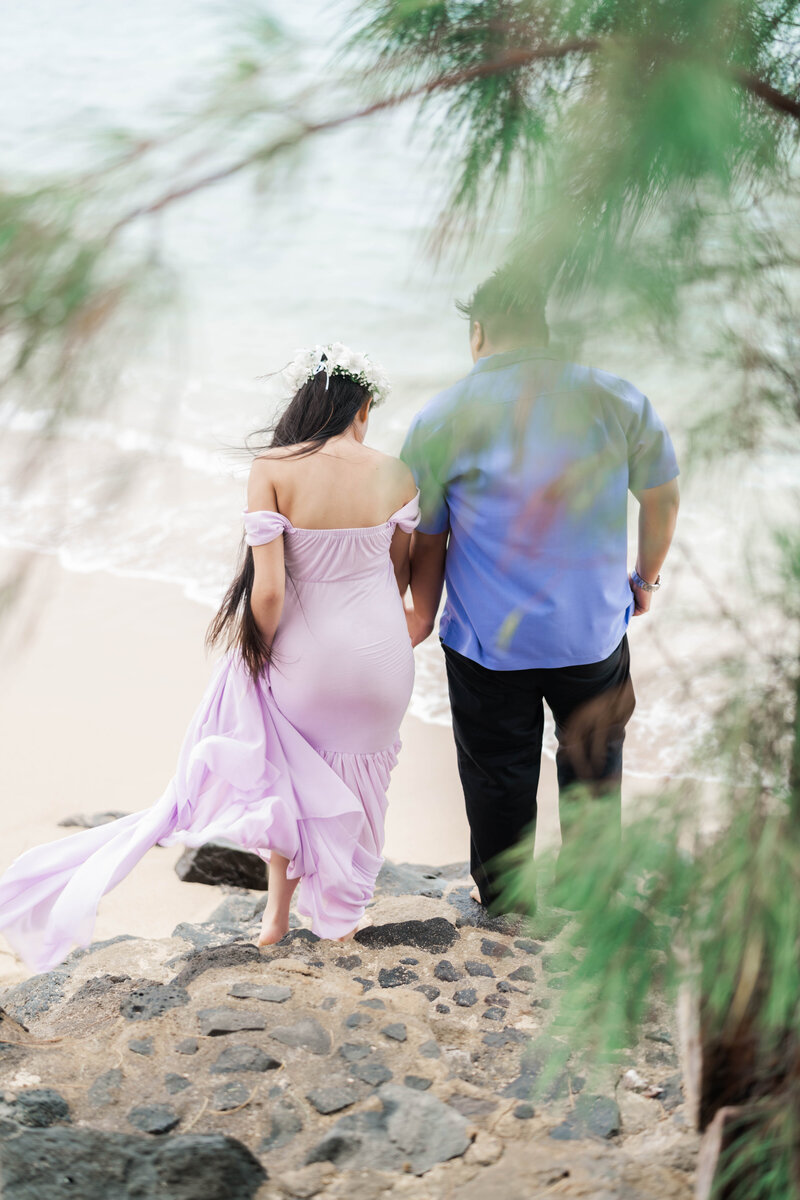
(407,517)
(263,526)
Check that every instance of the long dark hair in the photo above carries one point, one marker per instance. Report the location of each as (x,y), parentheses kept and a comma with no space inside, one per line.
(321,409)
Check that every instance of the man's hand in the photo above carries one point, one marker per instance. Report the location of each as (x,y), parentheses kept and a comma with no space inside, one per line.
(428,551)
(641,599)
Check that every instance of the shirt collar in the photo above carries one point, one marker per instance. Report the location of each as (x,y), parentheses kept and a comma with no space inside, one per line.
(508,358)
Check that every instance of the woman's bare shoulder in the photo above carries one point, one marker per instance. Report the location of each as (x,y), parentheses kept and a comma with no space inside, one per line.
(261,484)
(399,478)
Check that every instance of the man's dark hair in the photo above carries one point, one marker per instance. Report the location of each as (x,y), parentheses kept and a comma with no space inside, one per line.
(509,307)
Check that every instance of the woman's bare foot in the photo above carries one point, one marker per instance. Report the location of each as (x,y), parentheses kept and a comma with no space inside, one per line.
(272,930)
(362,924)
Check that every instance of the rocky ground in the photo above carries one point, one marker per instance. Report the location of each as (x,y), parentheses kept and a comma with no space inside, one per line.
(407,1062)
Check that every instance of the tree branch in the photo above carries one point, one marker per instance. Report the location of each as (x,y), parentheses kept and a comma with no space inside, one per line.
(511,60)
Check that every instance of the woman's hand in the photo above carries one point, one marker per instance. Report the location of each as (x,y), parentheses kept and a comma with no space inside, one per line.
(418,629)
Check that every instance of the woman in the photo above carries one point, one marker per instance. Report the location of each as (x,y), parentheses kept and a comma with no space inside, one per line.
(290,751)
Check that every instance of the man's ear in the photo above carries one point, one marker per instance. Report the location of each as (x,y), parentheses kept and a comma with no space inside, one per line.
(478,336)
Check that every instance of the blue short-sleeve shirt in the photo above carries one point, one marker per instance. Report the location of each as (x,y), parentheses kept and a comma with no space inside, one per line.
(528,462)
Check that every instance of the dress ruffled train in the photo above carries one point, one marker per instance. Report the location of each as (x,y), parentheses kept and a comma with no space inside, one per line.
(244,774)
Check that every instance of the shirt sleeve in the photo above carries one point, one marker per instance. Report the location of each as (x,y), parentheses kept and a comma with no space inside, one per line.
(419,453)
(651,454)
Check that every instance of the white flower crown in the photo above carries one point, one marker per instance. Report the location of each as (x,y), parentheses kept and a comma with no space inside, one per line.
(337,359)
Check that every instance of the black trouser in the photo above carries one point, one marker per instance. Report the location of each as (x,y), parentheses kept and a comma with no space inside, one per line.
(498,721)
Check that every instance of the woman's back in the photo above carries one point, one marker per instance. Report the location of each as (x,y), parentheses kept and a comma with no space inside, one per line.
(342,485)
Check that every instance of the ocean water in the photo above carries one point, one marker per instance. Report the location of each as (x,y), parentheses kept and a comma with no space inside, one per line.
(148,479)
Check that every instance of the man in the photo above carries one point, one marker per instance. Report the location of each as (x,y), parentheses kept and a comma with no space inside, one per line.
(524,468)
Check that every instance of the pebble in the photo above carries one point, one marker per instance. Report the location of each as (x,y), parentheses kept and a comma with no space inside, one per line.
(396,1031)
(39,1108)
(373,1002)
(465,997)
(494,1014)
(528,946)
(445,971)
(188,1046)
(443,1008)
(105,1088)
(430,1049)
(270,993)
(243,1058)
(229,1095)
(286,1124)
(524,1112)
(366,984)
(428,990)
(410,962)
(153,1118)
(372,1073)
(331,1099)
(418,1082)
(494,949)
(141,1045)
(596,1116)
(523,973)
(216,1021)
(307,1033)
(176,1083)
(354,1051)
(389,977)
(357,1020)
(500,1001)
(347,962)
(479,968)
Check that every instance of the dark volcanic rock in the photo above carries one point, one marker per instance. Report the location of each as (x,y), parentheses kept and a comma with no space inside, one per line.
(243,1058)
(91,820)
(150,999)
(271,992)
(82,951)
(348,962)
(105,1088)
(506,1037)
(389,977)
(216,1021)
(367,984)
(495,949)
(153,1118)
(302,937)
(592,1116)
(404,879)
(465,997)
(528,946)
(415,1130)
(29,999)
(214,957)
(429,991)
(474,915)
(286,1124)
(229,1095)
(84,1164)
(445,971)
(396,1031)
(443,1008)
(222,862)
(209,934)
(434,935)
(331,1099)
(479,968)
(523,973)
(40,1107)
(306,1033)
(239,910)
(493,1013)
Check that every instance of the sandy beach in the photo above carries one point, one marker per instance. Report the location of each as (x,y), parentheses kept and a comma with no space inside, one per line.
(101,675)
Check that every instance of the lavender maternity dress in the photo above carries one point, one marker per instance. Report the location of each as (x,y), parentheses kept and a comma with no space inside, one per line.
(298,763)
